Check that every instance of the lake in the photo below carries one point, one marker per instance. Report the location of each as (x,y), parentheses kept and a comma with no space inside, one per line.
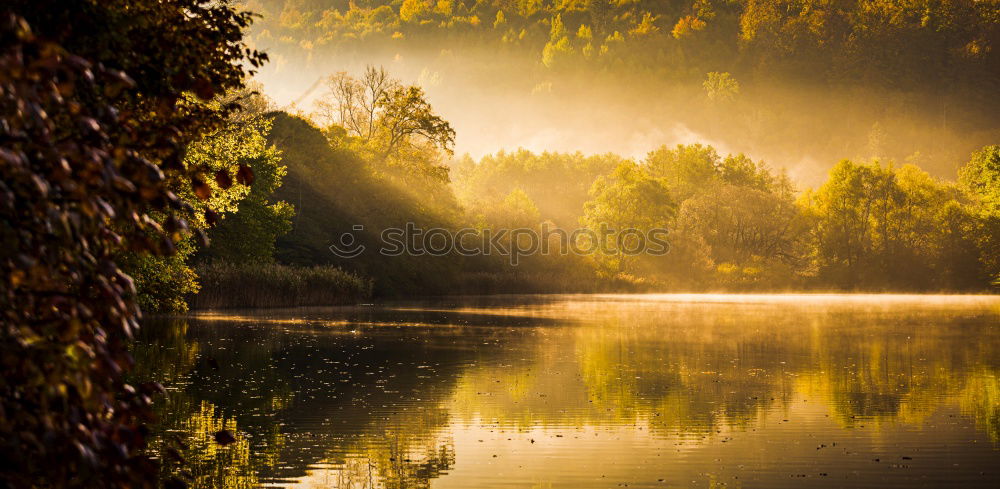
(585,391)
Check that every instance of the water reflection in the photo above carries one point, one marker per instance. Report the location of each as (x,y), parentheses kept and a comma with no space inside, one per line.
(586,391)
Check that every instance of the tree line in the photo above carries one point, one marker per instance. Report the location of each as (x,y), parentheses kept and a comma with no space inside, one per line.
(735,223)
(375,155)
(925,45)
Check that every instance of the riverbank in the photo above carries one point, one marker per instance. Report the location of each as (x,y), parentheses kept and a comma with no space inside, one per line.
(228,286)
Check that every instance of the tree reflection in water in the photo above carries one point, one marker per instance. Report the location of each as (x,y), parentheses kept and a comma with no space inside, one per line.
(353,398)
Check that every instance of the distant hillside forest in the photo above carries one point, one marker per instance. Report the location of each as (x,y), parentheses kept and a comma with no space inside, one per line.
(927,44)
(792,81)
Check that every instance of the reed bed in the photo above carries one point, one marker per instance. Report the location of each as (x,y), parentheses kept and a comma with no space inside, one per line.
(229,286)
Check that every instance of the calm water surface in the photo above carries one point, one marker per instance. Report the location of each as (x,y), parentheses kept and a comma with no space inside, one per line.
(653,391)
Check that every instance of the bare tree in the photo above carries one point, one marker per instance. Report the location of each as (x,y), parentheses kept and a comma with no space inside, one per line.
(386,116)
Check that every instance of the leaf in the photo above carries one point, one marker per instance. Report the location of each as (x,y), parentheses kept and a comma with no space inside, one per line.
(201,189)
(211,217)
(204,89)
(223,179)
(225,437)
(244,175)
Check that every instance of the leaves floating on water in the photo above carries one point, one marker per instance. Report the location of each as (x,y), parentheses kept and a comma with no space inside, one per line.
(224,437)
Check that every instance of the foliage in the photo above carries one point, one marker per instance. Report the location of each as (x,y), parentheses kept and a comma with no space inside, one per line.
(688,169)
(236,149)
(746,227)
(556,183)
(163,283)
(687,26)
(721,87)
(628,199)
(248,232)
(880,226)
(391,121)
(980,177)
(251,233)
(883,43)
(786,80)
(685,169)
(515,211)
(94,115)
(332,184)
(738,224)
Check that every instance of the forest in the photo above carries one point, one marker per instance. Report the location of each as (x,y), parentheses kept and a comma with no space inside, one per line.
(735,223)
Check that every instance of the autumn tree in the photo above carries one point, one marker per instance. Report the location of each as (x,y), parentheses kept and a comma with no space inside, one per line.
(248,233)
(690,169)
(877,226)
(227,157)
(97,102)
(980,177)
(745,226)
(624,205)
(392,121)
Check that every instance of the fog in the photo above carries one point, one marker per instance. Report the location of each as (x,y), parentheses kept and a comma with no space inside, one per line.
(505,101)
